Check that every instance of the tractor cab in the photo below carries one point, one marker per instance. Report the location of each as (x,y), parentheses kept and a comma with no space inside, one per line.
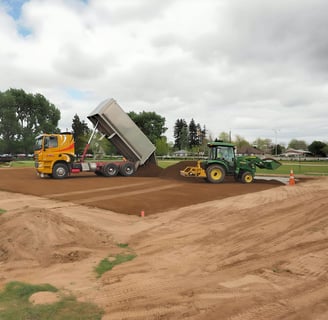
(222,152)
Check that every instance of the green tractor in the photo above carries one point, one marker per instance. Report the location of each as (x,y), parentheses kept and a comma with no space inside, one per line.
(222,162)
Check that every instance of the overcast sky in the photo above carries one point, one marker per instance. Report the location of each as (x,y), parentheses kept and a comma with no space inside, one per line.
(257,68)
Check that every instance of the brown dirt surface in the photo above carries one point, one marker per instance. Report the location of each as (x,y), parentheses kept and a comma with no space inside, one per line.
(203,251)
(152,190)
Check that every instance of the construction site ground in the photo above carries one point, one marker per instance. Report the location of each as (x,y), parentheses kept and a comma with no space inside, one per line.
(203,251)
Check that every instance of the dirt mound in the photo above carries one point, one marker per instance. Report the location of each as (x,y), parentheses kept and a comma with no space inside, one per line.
(41,235)
(149,170)
(44,297)
(173,172)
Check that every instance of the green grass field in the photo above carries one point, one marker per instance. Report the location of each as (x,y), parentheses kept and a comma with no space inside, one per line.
(305,168)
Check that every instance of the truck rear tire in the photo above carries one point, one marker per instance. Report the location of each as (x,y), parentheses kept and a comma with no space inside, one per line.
(110,170)
(60,171)
(215,173)
(127,169)
(247,177)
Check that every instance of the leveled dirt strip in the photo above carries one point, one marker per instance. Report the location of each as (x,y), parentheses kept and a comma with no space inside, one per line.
(152,190)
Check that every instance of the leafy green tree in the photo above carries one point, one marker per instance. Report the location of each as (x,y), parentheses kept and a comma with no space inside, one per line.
(9,124)
(241,141)
(263,144)
(162,147)
(192,134)
(297,144)
(80,133)
(276,149)
(24,116)
(180,134)
(150,123)
(201,134)
(225,136)
(325,149)
(184,138)
(318,148)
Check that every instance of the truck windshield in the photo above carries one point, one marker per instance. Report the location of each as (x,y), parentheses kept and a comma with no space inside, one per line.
(38,143)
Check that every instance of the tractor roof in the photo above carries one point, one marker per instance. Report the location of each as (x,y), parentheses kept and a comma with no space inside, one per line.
(220,144)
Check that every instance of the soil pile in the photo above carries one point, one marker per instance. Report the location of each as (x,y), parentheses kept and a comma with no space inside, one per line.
(148,170)
(42,235)
(173,172)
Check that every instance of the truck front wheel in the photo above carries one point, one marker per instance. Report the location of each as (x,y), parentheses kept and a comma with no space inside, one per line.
(60,171)
(215,174)
(247,177)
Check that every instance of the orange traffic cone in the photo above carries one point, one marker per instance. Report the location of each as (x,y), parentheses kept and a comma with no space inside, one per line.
(142,213)
(291,178)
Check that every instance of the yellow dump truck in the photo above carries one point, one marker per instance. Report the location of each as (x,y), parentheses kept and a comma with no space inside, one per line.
(54,154)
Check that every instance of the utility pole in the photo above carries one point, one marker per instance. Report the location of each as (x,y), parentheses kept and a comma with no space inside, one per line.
(275,136)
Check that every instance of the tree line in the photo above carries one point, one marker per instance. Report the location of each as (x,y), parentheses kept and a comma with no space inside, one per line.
(23,116)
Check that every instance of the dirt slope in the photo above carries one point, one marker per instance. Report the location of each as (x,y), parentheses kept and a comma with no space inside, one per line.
(258,255)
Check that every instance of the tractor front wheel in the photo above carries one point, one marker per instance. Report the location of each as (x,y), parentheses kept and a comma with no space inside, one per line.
(247,177)
(215,174)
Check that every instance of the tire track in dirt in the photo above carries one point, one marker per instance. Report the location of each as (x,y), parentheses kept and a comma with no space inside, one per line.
(125,194)
(89,191)
(236,249)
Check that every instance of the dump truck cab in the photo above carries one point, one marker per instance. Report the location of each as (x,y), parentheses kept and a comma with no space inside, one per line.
(53,154)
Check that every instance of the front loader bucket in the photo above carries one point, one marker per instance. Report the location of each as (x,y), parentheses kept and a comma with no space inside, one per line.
(270,164)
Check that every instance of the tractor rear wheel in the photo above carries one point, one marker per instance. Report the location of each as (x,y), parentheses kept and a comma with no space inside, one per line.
(110,170)
(247,177)
(215,173)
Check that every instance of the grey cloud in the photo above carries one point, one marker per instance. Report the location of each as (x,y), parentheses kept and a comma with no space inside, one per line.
(255,32)
(131,11)
(74,61)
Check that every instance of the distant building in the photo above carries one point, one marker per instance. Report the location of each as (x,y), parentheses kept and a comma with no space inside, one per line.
(296,153)
(181,153)
(248,150)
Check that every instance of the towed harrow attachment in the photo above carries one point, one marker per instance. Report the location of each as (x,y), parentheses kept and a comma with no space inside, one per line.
(194,171)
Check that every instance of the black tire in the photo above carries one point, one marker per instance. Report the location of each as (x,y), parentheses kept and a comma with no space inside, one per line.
(215,173)
(60,171)
(247,177)
(110,170)
(127,169)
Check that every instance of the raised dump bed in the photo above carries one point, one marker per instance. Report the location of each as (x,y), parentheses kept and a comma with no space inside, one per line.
(122,132)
